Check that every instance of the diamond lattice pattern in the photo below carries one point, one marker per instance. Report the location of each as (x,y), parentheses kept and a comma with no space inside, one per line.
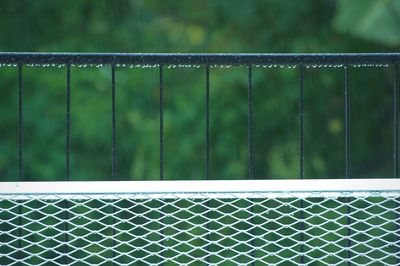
(201,229)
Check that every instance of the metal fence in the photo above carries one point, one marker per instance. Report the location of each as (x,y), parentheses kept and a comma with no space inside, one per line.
(258,227)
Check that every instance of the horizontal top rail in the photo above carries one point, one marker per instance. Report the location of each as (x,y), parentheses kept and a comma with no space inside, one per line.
(198,59)
(199,189)
(201,186)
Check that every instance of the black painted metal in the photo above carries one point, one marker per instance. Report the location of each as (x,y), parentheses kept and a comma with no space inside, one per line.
(20,148)
(250,139)
(347,155)
(68,126)
(207,122)
(113,149)
(301,149)
(347,122)
(250,122)
(201,59)
(301,122)
(207,172)
(161,73)
(67,157)
(161,123)
(114,143)
(396,143)
(20,125)
(395,122)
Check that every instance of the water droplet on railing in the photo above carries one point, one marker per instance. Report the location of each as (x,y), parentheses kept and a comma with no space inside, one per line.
(268,65)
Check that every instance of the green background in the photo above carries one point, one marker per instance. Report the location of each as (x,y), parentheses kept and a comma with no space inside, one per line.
(197,26)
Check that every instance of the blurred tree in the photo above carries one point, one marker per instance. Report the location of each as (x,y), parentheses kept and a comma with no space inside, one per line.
(376,20)
(192,26)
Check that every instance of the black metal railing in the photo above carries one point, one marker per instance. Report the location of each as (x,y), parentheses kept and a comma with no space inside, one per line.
(207,60)
(199,59)
(345,61)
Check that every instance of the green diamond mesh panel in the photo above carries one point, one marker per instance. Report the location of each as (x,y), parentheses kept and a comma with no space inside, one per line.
(318,228)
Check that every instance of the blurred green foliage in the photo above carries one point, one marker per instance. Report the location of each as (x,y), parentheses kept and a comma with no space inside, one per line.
(235,26)
(370,19)
(197,26)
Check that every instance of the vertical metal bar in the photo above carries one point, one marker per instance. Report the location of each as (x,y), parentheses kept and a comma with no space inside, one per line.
(67,156)
(20,153)
(396,149)
(161,123)
(347,155)
(250,122)
(20,126)
(301,121)
(114,145)
(68,125)
(250,141)
(347,122)
(301,159)
(208,149)
(208,122)
(395,122)
(161,77)
(113,151)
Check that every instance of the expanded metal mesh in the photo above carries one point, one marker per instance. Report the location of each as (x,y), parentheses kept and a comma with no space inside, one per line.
(316,228)
(207,228)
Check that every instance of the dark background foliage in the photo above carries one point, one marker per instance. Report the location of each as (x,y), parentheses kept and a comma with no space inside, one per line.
(198,26)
